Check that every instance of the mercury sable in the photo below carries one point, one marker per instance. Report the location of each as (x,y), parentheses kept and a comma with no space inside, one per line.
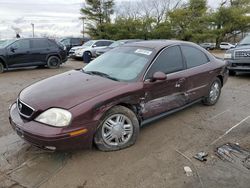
(106,102)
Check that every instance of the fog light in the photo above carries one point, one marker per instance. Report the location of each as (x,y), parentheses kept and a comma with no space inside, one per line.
(82,131)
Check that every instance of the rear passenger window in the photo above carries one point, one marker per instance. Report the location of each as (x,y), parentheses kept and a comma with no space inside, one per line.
(194,57)
(39,43)
(107,43)
(169,61)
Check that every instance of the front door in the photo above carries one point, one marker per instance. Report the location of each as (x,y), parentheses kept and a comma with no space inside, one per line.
(18,53)
(162,96)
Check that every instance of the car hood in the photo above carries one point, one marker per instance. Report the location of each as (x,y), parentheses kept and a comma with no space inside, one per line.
(104,49)
(67,90)
(244,47)
(78,47)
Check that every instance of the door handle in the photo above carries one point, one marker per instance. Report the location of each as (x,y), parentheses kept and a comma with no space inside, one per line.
(177,85)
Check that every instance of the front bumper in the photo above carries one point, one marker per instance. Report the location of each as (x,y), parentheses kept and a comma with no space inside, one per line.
(239,65)
(47,137)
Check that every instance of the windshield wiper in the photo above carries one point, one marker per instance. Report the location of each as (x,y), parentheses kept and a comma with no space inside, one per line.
(100,74)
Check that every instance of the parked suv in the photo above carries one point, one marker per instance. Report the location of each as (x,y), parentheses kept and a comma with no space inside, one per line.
(114,45)
(239,57)
(31,52)
(226,46)
(90,47)
(72,42)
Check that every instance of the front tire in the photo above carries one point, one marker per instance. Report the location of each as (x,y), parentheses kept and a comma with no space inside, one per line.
(214,93)
(119,129)
(232,73)
(53,62)
(1,68)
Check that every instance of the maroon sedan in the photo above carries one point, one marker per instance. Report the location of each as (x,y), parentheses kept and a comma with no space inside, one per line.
(107,101)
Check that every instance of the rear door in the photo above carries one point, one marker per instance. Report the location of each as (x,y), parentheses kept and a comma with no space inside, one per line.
(40,48)
(162,96)
(18,53)
(199,70)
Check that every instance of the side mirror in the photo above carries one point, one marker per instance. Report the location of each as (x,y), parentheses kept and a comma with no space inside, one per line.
(13,49)
(94,45)
(159,76)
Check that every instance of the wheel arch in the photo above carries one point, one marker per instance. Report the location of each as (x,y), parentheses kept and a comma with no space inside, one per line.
(50,55)
(4,62)
(221,79)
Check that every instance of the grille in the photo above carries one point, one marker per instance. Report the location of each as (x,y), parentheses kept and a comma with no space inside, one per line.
(24,109)
(242,54)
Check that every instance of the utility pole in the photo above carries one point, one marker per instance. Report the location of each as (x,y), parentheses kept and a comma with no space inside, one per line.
(83,20)
(33,29)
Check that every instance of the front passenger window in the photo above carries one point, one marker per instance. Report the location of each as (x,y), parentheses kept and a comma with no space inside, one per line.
(99,43)
(21,44)
(169,61)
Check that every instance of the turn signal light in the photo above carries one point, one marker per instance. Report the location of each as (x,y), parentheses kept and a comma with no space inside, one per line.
(78,132)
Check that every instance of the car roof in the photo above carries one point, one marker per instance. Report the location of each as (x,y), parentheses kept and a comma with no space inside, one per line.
(102,40)
(157,44)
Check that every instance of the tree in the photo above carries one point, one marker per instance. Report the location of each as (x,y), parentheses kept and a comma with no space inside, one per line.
(231,19)
(98,13)
(190,22)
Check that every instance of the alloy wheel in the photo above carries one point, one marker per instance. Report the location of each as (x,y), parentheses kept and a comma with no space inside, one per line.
(214,92)
(117,130)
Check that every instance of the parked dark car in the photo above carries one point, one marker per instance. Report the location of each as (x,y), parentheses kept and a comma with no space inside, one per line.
(239,58)
(72,42)
(31,52)
(114,45)
(208,46)
(107,101)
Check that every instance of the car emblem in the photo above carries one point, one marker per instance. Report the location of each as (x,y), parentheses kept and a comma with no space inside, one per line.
(20,106)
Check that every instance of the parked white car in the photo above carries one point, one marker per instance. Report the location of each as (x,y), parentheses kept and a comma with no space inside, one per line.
(90,46)
(226,46)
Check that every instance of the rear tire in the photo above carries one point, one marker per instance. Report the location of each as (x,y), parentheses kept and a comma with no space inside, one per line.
(53,62)
(213,94)
(119,129)
(1,67)
(232,73)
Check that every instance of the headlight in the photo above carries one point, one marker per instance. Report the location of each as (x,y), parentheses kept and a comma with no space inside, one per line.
(228,56)
(55,117)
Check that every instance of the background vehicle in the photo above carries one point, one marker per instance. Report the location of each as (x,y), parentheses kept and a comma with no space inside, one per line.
(114,45)
(108,100)
(226,46)
(72,42)
(239,57)
(90,47)
(31,52)
(208,46)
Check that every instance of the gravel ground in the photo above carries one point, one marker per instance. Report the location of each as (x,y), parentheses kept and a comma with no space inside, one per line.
(156,160)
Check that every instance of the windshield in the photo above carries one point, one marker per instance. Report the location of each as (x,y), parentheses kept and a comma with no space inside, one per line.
(116,44)
(123,64)
(245,41)
(5,43)
(89,43)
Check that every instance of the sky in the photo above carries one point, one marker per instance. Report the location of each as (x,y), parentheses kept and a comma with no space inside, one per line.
(58,18)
